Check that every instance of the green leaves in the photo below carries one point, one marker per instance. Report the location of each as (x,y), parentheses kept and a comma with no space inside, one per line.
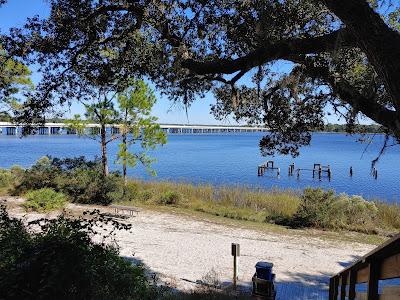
(76,124)
(58,259)
(14,79)
(138,126)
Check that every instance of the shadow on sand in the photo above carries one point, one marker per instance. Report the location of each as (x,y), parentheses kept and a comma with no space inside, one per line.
(300,286)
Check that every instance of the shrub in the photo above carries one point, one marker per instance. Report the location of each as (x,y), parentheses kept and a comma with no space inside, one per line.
(169,198)
(81,180)
(44,200)
(145,195)
(315,210)
(90,186)
(61,261)
(360,214)
(131,191)
(5,178)
(41,175)
(324,209)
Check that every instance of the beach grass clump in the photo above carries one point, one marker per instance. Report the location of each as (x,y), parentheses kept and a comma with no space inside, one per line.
(44,200)
(242,203)
(388,215)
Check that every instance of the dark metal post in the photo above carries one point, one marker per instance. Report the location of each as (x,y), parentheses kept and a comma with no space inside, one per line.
(235,253)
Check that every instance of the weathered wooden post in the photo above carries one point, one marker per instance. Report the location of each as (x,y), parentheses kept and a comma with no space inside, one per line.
(319,172)
(291,169)
(351,171)
(375,173)
(235,254)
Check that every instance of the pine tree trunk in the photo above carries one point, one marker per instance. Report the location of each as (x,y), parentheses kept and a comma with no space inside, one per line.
(124,160)
(104,150)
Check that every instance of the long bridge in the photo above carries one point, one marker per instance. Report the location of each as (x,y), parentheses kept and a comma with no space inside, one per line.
(7,128)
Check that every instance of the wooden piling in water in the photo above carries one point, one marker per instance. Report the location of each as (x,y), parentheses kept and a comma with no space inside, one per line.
(291,169)
(375,173)
(351,171)
(270,162)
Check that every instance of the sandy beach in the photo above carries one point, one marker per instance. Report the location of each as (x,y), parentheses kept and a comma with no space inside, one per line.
(182,250)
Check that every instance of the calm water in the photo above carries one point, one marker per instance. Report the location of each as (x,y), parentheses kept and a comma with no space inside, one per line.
(233,159)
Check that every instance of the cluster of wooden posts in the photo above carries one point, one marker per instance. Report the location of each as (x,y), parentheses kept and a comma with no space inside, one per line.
(318,169)
(269,165)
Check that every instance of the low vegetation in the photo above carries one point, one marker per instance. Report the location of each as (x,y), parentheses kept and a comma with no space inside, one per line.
(81,181)
(61,261)
(325,209)
(315,208)
(44,200)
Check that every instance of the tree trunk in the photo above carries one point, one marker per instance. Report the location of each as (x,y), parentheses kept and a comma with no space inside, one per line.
(104,150)
(124,160)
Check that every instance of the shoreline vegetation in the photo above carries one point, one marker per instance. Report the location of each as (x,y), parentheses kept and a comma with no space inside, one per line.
(51,182)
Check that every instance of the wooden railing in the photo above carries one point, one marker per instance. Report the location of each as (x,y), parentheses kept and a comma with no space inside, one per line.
(379,264)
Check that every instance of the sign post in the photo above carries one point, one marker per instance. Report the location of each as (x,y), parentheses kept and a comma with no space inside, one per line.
(235,254)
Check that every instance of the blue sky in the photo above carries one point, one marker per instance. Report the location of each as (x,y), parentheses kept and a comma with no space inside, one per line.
(14,14)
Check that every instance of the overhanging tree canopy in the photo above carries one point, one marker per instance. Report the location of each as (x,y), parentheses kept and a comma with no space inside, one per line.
(345,54)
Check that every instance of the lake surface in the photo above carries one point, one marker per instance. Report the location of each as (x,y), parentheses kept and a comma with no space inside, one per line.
(232,159)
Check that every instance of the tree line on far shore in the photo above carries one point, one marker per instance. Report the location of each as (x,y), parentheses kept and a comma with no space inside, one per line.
(371,128)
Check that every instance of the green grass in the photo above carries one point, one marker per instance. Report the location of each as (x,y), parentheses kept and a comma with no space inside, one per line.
(260,208)
(240,203)
(389,214)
